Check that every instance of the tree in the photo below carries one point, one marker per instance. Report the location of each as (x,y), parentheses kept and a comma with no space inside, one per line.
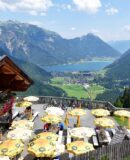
(124,100)
(118,102)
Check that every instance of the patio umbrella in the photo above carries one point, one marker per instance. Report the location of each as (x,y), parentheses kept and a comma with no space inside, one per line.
(81,132)
(11,148)
(20,133)
(100,112)
(77,112)
(47,136)
(54,111)
(22,124)
(31,99)
(42,148)
(122,113)
(104,122)
(79,147)
(23,104)
(53,119)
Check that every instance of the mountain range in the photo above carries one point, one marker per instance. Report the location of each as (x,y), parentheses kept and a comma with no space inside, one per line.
(42,47)
(120,45)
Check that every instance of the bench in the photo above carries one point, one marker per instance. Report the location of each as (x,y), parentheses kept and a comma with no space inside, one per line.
(60,137)
(34,116)
(68,136)
(60,133)
(108,136)
(113,131)
(15,114)
(95,141)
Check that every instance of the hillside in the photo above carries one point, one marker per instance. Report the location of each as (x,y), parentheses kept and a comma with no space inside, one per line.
(36,45)
(120,69)
(121,45)
(40,78)
(116,78)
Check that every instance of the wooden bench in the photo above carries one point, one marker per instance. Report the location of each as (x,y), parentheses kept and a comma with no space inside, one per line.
(113,131)
(15,114)
(68,136)
(95,141)
(108,136)
(34,116)
(60,137)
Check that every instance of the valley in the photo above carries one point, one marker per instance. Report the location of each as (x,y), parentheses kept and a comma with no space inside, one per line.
(41,53)
(73,87)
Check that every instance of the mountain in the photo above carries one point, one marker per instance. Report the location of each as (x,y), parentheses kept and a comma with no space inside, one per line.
(92,46)
(42,47)
(40,78)
(116,78)
(121,45)
(120,69)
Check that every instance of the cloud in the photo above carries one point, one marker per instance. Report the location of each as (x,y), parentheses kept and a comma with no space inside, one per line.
(35,7)
(126,28)
(73,28)
(111,11)
(95,31)
(91,6)
(63,6)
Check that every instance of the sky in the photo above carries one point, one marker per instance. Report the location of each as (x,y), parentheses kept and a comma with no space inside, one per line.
(108,19)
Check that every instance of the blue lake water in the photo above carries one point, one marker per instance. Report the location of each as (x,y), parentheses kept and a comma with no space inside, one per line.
(85,66)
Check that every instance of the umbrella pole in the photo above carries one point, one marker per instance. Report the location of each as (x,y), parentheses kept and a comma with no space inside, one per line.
(66,120)
(78,121)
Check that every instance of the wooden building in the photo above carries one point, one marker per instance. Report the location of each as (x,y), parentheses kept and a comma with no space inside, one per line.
(12,78)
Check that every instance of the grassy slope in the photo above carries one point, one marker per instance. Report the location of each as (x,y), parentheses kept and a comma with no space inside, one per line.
(78,91)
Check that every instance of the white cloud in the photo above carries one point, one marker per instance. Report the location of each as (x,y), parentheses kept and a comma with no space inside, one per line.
(111,11)
(91,6)
(127,28)
(95,31)
(73,28)
(43,13)
(64,6)
(69,6)
(29,6)
(33,13)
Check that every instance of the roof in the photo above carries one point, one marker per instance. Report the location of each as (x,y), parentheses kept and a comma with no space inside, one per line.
(12,78)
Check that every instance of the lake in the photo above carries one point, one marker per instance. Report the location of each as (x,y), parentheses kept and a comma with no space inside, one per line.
(84,66)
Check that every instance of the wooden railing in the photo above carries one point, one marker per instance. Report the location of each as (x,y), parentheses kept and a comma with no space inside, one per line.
(73,102)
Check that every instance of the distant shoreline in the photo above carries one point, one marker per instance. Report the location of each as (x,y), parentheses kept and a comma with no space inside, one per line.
(82,61)
(82,66)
